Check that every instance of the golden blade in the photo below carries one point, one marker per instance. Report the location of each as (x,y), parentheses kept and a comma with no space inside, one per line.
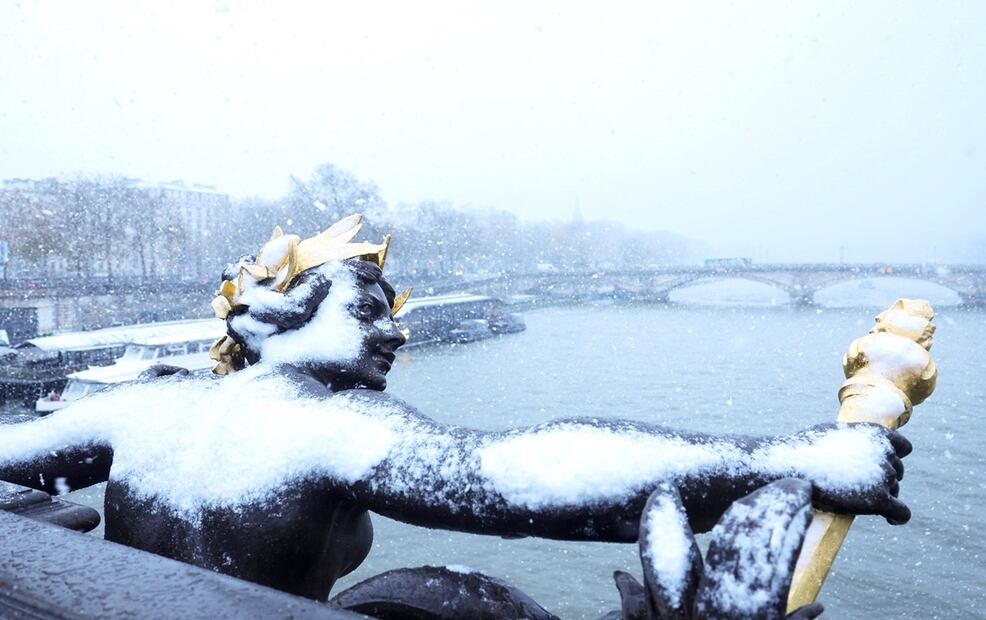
(347,225)
(228,290)
(258,272)
(382,255)
(314,255)
(290,263)
(399,301)
(215,350)
(221,306)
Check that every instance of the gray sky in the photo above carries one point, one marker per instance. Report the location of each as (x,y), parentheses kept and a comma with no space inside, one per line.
(776,130)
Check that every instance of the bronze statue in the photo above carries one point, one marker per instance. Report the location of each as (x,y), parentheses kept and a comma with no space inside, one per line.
(268,474)
(745,574)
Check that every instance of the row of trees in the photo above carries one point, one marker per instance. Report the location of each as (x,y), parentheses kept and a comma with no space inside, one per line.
(433,239)
(89,226)
(112,226)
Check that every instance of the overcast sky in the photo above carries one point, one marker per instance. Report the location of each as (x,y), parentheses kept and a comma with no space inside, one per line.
(783,131)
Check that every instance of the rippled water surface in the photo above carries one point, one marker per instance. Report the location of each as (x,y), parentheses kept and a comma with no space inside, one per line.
(746,370)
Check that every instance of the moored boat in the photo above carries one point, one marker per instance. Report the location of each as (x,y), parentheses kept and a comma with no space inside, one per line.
(40,365)
(80,384)
(457,318)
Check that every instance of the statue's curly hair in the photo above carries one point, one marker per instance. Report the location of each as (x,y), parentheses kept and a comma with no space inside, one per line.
(309,289)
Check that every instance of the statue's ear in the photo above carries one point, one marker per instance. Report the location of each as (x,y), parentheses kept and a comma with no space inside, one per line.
(752,554)
(669,555)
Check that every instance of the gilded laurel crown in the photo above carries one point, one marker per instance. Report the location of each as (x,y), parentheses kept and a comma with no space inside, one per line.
(280,261)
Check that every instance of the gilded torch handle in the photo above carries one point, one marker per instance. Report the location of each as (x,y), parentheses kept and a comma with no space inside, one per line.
(888,371)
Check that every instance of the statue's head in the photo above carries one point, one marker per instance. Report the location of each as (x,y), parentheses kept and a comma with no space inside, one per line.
(320,304)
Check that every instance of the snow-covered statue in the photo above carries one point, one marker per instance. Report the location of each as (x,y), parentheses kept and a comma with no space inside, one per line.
(746,573)
(268,473)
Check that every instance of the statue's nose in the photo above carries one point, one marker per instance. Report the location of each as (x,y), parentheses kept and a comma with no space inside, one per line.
(395,337)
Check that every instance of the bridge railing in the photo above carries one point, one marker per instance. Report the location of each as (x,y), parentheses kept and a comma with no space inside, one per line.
(50,572)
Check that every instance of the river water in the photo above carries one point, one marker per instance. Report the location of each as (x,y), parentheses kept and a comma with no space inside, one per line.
(718,369)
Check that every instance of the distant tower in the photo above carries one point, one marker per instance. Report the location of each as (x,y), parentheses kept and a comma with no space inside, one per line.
(577,212)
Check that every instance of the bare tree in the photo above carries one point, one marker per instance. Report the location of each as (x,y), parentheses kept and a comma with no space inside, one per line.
(30,225)
(153,229)
(329,195)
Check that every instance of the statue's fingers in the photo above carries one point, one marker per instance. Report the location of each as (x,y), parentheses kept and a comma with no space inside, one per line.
(896,512)
(753,551)
(633,598)
(902,447)
(670,582)
(889,474)
(162,370)
(898,466)
(806,612)
(890,477)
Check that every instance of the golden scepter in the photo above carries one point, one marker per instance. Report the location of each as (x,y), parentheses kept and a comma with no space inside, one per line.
(887,372)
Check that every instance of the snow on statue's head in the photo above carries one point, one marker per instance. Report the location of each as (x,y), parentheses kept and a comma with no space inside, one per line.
(320,303)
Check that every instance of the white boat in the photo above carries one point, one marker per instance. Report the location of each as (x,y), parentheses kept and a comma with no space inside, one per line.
(95,345)
(138,356)
(444,318)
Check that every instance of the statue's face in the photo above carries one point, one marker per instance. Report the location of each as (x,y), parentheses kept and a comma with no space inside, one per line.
(380,338)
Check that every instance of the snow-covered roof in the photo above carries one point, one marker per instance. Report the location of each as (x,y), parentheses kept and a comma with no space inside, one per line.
(129,370)
(177,185)
(181,331)
(440,300)
(115,373)
(207,330)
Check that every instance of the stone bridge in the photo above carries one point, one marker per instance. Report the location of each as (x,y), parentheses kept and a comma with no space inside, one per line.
(49,305)
(799,280)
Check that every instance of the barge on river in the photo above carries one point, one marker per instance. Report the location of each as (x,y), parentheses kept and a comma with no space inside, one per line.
(457,319)
(41,365)
(173,350)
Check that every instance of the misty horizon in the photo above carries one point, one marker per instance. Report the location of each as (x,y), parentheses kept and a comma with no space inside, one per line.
(804,133)
(699,249)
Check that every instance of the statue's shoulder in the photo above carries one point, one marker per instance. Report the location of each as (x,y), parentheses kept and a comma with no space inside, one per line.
(308,387)
(371,397)
(377,398)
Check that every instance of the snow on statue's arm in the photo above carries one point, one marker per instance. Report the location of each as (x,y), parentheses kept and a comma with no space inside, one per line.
(588,479)
(58,453)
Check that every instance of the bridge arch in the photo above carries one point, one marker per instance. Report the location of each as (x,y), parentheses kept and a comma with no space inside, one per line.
(883,289)
(741,287)
(799,281)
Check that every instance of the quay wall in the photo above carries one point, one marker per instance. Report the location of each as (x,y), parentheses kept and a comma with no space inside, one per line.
(33,312)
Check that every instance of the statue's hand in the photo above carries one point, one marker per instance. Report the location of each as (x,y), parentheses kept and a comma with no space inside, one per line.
(161,370)
(747,571)
(855,468)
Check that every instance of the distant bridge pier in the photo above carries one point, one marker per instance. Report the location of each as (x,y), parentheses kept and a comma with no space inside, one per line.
(802,296)
(973,300)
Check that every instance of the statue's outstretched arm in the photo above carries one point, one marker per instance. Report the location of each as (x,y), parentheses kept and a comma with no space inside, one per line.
(588,479)
(56,454)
